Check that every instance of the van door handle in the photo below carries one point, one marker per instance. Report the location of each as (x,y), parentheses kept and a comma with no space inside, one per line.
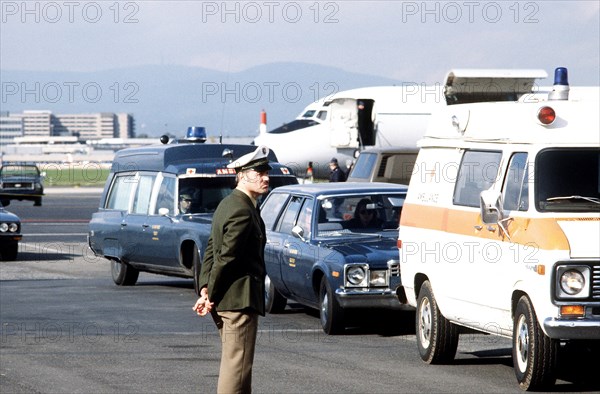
(145,225)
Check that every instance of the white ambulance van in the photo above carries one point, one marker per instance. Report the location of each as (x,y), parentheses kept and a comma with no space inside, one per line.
(500,230)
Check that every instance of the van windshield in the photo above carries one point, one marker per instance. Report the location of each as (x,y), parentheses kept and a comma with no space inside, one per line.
(568,180)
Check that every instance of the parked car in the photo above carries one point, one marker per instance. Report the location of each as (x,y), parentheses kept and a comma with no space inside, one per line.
(320,255)
(10,234)
(21,181)
(394,165)
(156,210)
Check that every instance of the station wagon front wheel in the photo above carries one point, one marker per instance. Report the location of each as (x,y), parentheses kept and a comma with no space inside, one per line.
(437,338)
(123,274)
(330,311)
(274,301)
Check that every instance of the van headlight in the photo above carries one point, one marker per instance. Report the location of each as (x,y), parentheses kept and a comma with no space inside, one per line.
(572,281)
(356,275)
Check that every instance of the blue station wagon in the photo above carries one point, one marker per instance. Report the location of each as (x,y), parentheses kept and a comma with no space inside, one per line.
(332,246)
(156,210)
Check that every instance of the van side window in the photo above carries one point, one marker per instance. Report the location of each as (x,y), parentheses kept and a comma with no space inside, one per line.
(141,202)
(478,171)
(166,195)
(120,192)
(516,184)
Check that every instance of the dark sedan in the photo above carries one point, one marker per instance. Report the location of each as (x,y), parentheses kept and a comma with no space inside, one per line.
(333,247)
(10,234)
(21,181)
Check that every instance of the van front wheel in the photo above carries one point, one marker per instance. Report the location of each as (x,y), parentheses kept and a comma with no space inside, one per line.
(437,338)
(534,354)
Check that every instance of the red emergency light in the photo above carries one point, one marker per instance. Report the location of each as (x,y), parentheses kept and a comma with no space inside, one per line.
(546,115)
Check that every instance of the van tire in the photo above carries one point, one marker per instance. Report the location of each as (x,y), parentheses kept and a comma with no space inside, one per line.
(331,313)
(123,274)
(274,301)
(437,338)
(534,354)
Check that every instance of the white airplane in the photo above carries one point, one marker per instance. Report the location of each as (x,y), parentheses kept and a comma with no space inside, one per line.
(342,124)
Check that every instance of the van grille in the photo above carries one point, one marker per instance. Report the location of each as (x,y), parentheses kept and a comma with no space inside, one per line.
(596,282)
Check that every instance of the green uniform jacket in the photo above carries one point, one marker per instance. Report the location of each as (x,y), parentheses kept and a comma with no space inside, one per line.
(233,269)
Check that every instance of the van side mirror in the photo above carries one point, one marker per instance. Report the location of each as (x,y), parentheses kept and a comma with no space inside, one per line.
(490,202)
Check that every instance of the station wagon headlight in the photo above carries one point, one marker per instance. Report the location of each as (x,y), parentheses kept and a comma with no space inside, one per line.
(355,275)
(572,281)
(378,278)
(13,227)
(3,227)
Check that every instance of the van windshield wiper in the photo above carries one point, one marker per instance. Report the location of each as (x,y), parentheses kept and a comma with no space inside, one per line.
(595,200)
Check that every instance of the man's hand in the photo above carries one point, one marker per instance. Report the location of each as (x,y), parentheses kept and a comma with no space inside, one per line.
(203,306)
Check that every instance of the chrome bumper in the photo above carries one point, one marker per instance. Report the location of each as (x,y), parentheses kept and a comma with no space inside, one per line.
(572,328)
(369,298)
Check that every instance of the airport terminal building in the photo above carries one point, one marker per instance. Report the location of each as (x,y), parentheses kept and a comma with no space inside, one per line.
(85,127)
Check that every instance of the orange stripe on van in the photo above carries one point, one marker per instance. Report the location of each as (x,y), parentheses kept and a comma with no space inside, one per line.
(543,233)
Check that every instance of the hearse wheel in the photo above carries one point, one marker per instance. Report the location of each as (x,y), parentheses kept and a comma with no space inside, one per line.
(123,274)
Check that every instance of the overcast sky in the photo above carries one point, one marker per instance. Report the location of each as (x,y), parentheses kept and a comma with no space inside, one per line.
(410,41)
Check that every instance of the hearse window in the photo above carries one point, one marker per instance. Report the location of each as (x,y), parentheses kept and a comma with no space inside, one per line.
(516,184)
(141,202)
(478,171)
(568,180)
(271,208)
(289,217)
(206,193)
(121,191)
(166,195)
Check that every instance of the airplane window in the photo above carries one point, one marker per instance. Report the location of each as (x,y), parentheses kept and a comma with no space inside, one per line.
(309,114)
(294,125)
(322,115)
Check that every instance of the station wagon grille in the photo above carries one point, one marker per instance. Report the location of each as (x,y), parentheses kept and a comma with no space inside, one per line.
(394,267)
(18,185)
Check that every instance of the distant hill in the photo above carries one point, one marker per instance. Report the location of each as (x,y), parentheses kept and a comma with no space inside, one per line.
(171,98)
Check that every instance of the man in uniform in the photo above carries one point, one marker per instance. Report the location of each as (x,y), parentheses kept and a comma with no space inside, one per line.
(233,272)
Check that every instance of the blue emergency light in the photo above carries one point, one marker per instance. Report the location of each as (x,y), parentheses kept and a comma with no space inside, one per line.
(561,76)
(560,90)
(195,133)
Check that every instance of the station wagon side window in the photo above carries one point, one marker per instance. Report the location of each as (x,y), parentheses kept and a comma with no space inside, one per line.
(141,201)
(120,192)
(516,184)
(288,220)
(166,195)
(271,208)
(305,217)
(477,172)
